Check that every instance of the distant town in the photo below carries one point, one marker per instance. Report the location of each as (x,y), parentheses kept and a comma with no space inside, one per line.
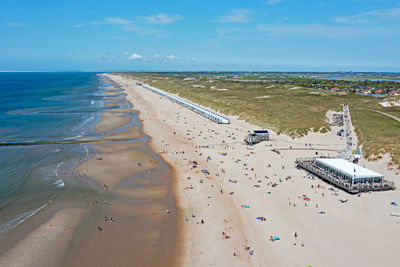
(362,83)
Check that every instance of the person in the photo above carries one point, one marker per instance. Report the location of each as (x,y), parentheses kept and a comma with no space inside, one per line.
(295,234)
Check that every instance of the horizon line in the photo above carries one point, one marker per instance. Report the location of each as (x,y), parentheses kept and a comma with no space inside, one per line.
(199,71)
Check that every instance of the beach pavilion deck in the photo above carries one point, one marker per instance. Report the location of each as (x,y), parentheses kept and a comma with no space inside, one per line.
(345,175)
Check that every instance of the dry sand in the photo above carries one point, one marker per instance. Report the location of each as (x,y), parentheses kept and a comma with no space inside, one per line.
(387,104)
(264,96)
(357,233)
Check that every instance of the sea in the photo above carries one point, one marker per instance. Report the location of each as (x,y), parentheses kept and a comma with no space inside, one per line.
(43,115)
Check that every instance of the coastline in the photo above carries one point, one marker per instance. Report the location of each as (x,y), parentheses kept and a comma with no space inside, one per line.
(136,197)
(174,130)
(210,224)
(135,192)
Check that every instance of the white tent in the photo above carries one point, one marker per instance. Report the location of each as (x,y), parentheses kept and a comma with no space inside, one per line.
(349,169)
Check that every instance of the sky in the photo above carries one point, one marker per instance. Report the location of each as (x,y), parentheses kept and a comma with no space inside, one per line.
(196,35)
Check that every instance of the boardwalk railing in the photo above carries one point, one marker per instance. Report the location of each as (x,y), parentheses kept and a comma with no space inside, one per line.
(310,165)
(196,108)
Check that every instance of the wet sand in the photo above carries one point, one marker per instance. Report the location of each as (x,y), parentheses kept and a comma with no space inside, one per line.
(117,162)
(110,121)
(47,244)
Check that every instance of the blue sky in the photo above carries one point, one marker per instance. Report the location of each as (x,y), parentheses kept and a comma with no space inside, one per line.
(269,35)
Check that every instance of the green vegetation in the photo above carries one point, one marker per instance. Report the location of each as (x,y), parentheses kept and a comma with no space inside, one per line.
(289,108)
(378,133)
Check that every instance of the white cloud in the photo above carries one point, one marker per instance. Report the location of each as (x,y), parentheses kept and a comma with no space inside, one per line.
(135,56)
(171,57)
(161,18)
(127,25)
(334,32)
(372,16)
(236,16)
(138,29)
(223,32)
(126,53)
(156,56)
(118,21)
(16,24)
(273,2)
(187,60)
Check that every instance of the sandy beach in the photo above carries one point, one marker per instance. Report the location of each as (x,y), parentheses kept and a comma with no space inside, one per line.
(218,209)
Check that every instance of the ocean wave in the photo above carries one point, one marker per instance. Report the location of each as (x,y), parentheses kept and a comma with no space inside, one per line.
(73,137)
(59,183)
(14,222)
(85,122)
(86,150)
(58,166)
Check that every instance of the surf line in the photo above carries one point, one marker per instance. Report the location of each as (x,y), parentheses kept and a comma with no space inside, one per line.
(64,142)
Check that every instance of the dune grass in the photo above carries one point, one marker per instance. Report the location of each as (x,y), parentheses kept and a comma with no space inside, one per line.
(288,109)
(379,134)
